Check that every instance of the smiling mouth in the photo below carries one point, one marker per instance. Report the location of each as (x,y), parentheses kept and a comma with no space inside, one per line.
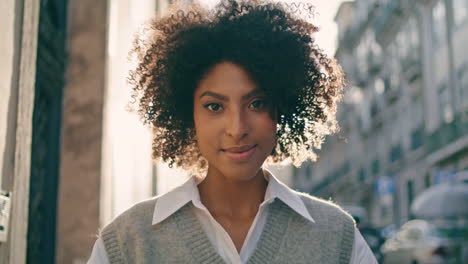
(241,153)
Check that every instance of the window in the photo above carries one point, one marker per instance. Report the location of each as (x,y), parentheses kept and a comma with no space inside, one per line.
(463,88)
(413,33)
(394,65)
(418,111)
(444,105)
(460,12)
(395,153)
(402,44)
(374,109)
(362,59)
(407,43)
(410,191)
(417,123)
(387,84)
(374,46)
(417,138)
(439,23)
(375,166)
(374,53)
(362,175)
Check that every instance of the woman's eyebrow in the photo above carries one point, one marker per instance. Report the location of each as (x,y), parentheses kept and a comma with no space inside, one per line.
(215,95)
(252,93)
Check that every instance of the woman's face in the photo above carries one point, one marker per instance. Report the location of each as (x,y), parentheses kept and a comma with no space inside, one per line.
(234,129)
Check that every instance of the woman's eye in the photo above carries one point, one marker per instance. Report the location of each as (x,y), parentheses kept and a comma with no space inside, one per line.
(257,105)
(213,107)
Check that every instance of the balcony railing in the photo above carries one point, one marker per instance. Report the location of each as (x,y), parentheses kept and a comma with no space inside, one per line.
(332,177)
(448,132)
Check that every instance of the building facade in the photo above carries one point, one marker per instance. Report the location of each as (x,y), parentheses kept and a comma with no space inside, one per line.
(404,117)
(62,174)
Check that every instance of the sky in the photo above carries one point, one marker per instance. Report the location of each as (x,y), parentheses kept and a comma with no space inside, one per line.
(326,10)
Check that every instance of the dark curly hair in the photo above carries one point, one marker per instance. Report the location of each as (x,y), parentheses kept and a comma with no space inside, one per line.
(269,40)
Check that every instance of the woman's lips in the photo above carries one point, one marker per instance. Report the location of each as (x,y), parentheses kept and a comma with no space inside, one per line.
(241,153)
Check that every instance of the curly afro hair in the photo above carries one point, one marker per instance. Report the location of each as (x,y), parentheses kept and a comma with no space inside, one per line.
(269,40)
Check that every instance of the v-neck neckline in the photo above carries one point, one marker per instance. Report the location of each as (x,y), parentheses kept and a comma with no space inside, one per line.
(276,225)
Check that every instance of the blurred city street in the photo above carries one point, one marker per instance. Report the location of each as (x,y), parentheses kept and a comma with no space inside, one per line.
(72,157)
(404,128)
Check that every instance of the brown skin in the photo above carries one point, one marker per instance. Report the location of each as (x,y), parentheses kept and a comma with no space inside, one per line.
(230,112)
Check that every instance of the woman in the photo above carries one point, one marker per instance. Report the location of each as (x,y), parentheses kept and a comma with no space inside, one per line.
(225,91)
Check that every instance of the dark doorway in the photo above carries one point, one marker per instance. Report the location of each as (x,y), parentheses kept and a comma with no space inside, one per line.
(45,149)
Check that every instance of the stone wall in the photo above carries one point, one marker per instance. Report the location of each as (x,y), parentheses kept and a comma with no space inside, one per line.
(78,203)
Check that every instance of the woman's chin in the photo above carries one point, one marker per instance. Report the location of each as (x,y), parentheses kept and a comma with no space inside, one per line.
(242,173)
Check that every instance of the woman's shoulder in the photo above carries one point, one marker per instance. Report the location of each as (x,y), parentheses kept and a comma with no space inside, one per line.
(140,213)
(321,209)
(132,235)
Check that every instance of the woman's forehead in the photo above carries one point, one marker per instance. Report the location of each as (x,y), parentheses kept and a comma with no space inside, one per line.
(226,80)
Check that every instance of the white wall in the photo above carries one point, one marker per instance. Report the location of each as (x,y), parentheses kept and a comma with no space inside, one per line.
(127,167)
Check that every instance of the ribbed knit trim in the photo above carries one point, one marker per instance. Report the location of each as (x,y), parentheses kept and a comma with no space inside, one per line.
(347,241)
(195,237)
(273,233)
(111,243)
(276,227)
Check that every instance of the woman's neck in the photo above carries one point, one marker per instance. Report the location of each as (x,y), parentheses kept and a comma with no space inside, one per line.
(228,197)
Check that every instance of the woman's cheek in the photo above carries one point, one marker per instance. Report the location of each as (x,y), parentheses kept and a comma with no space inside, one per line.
(268,123)
(273,125)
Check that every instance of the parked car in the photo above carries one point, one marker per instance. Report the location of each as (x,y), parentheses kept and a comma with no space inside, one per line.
(422,242)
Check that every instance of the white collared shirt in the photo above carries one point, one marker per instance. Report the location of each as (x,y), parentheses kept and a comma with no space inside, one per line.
(172,201)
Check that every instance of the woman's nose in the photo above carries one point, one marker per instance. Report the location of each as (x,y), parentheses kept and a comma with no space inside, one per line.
(237,125)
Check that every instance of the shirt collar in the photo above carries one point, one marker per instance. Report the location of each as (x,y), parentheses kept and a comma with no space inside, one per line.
(170,202)
(277,189)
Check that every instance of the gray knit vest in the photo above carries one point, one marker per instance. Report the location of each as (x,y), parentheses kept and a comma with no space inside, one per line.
(287,236)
